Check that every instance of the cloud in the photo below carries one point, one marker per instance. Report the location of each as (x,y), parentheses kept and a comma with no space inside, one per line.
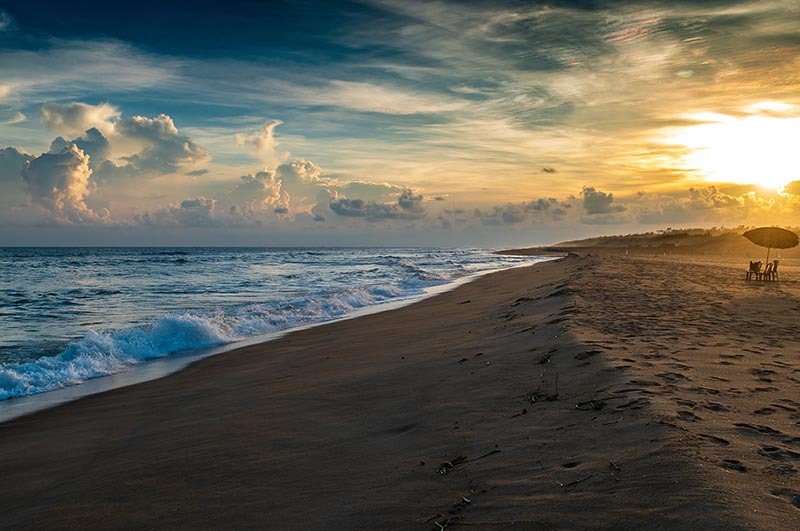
(100,132)
(535,211)
(17,118)
(164,149)
(408,206)
(59,182)
(597,202)
(263,142)
(50,69)
(6,22)
(12,187)
(93,143)
(255,194)
(706,204)
(370,97)
(409,201)
(541,204)
(303,180)
(195,212)
(197,173)
(11,163)
(75,118)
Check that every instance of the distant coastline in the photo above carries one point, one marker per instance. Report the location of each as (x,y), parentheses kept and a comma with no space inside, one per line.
(708,242)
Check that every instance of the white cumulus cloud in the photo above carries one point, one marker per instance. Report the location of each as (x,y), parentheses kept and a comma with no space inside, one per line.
(76,117)
(59,182)
(263,142)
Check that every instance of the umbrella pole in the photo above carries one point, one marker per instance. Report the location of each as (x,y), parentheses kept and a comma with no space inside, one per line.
(768,248)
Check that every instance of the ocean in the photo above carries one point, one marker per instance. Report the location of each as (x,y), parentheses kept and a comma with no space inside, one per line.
(68,315)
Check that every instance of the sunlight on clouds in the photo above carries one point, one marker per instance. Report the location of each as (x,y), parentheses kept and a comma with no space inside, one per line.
(263,142)
(76,117)
(16,118)
(368,97)
(755,149)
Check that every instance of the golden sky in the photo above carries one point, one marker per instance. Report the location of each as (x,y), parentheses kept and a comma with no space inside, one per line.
(414,123)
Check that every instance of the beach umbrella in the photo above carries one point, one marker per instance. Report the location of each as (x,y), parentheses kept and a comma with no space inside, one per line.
(772,238)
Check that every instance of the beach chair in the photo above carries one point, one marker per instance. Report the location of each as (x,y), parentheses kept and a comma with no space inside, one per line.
(767,273)
(772,274)
(753,271)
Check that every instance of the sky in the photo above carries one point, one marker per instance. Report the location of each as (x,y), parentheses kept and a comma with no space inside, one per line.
(391,122)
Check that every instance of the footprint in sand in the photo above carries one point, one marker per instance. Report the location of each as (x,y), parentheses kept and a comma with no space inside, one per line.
(731,356)
(762,374)
(715,406)
(792,496)
(637,403)
(688,416)
(779,454)
(716,440)
(673,376)
(767,431)
(588,354)
(763,430)
(705,390)
(644,383)
(765,411)
(615,368)
(733,464)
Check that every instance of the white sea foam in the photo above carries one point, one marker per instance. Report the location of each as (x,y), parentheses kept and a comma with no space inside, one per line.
(100,353)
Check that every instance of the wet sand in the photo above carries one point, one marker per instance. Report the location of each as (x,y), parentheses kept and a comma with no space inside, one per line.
(594,392)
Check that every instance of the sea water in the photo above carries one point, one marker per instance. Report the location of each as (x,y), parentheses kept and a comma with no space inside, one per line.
(68,315)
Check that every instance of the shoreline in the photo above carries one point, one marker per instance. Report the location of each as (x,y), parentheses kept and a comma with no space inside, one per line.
(164,366)
(555,396)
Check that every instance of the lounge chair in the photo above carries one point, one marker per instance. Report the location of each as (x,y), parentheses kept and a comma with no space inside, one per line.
(754,271)
(771,272)
(767,273)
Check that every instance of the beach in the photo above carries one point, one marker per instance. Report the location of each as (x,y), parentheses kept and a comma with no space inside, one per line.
(591,392)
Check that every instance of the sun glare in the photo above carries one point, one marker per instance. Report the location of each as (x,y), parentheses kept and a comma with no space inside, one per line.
(757,149)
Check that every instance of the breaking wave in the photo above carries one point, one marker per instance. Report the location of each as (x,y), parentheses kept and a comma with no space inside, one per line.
(105,352)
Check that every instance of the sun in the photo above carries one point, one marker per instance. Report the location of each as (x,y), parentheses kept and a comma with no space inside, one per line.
(759,148)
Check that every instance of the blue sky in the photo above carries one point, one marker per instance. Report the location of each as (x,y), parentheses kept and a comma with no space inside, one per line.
(413,123)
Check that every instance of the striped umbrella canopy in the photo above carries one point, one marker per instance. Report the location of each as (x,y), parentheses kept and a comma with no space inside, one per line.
(772,238)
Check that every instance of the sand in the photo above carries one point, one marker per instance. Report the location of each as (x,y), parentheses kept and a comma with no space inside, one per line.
(594,392)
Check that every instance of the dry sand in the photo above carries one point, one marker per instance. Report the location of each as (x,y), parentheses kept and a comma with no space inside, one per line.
(589,393)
